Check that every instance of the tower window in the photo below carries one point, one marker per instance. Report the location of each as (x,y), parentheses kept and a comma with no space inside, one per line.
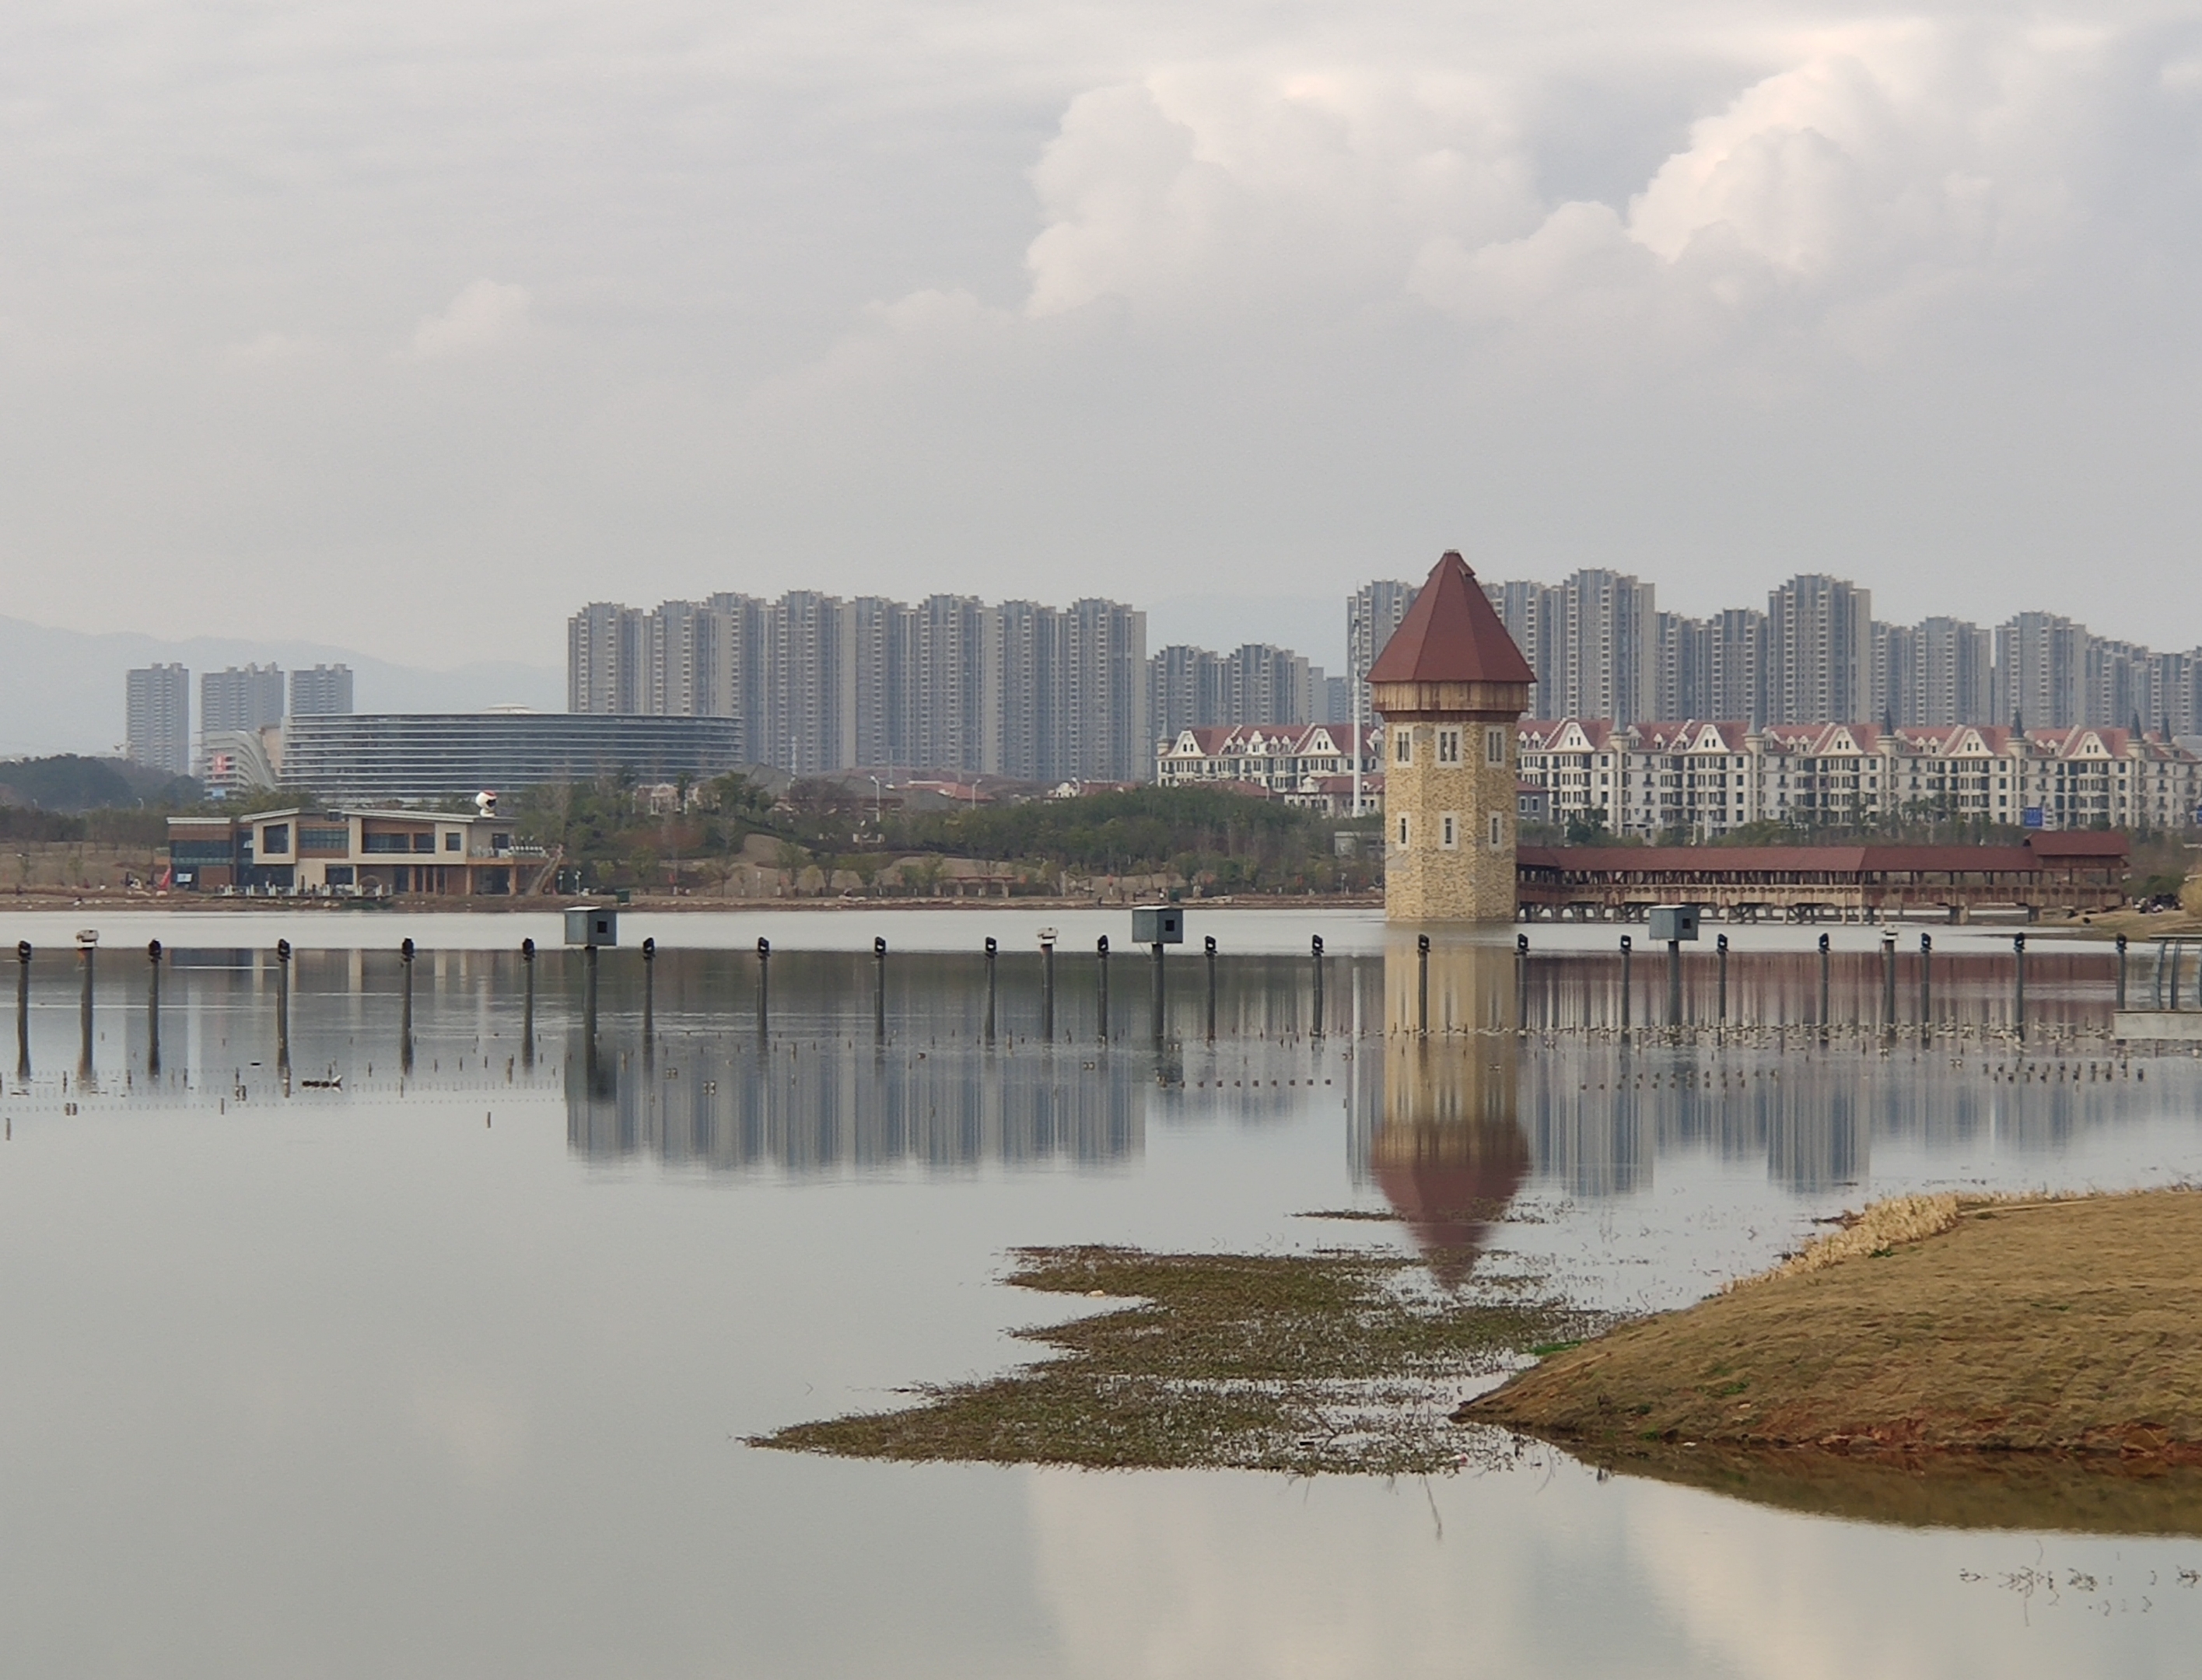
(1403,832)
(1448,746)
(1494,745)
(1497,829)
(1403,750)
(1448,831)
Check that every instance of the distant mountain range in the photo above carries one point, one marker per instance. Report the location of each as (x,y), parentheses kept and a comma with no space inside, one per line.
(61,690)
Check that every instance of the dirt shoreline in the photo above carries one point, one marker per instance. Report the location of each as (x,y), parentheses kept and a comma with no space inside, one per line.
(2066,1329)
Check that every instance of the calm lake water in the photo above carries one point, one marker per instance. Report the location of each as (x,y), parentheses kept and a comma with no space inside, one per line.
(447,1371)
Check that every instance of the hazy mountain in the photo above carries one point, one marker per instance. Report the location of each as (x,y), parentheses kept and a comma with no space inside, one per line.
(61,690)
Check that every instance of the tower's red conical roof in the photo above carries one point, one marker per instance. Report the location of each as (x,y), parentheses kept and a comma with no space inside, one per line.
(1451,635)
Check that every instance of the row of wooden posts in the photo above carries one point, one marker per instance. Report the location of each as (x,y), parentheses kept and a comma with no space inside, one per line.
(2164,989)
(87,952)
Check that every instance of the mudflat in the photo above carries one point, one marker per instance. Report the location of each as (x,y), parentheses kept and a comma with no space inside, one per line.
(1933,1327)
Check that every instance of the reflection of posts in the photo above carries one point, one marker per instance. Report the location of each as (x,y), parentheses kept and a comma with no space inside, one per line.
(1448,1151)
(649,996)
(2018,993)
(1720,946)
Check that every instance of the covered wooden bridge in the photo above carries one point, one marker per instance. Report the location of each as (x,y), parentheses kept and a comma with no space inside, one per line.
(2051,872)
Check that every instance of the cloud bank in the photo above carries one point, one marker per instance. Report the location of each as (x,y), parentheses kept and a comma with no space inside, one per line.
(792,297)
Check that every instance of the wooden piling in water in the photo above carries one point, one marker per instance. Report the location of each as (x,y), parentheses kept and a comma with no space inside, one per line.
(405,1007)
(22,1009)
(153,1008)
(989,988)
(1209,946)
(1101,960)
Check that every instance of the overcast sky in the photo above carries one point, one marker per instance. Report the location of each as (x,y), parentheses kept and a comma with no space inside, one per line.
(409,325)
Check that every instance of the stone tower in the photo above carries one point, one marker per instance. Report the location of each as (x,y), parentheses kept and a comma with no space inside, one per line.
(1451,687)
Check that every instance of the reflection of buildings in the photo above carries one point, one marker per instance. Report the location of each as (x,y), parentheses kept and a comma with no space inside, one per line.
(809,1105)
(1448,1152)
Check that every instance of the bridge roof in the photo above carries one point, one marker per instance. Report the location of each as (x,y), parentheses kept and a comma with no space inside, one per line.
(1707,861)
(1451,635)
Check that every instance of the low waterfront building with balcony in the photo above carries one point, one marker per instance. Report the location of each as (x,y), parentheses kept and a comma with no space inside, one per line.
(369,852)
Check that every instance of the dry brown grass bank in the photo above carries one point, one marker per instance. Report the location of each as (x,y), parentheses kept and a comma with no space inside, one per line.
(2069,1327)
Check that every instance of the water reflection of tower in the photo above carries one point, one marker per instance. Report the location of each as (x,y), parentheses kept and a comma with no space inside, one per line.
(1448,1151)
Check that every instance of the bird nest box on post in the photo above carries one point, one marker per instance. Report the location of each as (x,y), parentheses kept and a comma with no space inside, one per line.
(1451,687)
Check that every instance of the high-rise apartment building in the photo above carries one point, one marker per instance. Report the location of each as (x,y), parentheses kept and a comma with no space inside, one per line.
(1603,641)
(1892,685)
(1954,664)
(323,691)
(1105,687)
(1192,688)
(157,718)
(2040,672)
(1528,610)
(1819,650)
(241,700)
(1732,684)
(819,684)
(608,659)
(1373,612)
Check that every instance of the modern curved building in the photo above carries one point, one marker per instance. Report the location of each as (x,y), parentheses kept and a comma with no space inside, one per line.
(433,755)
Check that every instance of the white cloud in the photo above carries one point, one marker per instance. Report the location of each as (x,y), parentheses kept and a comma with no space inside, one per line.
(1226,188)
(482,316)
(1879,162)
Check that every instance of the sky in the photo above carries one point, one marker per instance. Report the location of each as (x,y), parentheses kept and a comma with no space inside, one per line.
(411,324)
